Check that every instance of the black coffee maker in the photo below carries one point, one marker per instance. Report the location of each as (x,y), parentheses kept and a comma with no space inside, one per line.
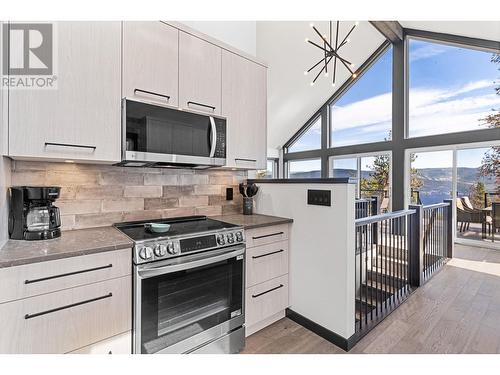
(32,213)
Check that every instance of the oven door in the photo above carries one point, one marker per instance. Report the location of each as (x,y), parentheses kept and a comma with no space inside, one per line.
(162,135)
(184,303)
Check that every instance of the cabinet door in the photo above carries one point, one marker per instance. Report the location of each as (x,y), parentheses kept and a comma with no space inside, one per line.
(66,320)
(151,61)
(80,118)
(199,74)
(244,103)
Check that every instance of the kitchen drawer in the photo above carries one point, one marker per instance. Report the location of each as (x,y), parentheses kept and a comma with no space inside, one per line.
(266,299)
(119,344)
(266,235)
(266,262)
(46,277)
(67,320)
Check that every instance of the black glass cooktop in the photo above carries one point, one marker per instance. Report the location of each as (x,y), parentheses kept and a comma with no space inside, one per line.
(188,225)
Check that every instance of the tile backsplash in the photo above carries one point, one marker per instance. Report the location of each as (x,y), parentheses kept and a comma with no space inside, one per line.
(100,195)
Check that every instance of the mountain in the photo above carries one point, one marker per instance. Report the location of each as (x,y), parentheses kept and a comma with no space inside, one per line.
(437,182)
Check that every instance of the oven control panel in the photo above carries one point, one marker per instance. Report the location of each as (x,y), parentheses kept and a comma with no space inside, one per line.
(168,248)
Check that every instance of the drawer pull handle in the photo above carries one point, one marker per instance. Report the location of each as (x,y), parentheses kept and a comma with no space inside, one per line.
(268,235)
(201,105)
(265,255)
(66,274)
(29,316)
(69,145)
(267,291)
(152,93)
(242,159)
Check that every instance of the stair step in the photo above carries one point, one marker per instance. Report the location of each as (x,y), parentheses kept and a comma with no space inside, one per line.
(380,276)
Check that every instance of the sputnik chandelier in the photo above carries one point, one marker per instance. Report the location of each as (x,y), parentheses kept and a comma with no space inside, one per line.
(331,51)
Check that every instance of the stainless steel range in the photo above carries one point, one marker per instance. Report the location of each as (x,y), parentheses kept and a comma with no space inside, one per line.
(188,285)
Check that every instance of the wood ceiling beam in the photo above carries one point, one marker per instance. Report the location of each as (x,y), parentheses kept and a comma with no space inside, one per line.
(391,30)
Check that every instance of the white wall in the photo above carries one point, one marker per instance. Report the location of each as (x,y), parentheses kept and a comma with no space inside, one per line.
(239,34)
(322,269)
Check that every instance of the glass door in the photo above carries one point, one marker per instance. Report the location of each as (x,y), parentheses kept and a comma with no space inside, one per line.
(478,191)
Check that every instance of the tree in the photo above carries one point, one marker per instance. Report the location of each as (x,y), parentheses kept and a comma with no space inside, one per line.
(476,194)
(490,165)
(379,176)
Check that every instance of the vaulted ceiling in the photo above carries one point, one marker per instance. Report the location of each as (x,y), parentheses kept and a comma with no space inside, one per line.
(291,98)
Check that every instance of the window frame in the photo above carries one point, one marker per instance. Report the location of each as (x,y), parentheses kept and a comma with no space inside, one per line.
(374,58)
(287,165)
(447,40)
(399,142)
(324,111)
(308,125)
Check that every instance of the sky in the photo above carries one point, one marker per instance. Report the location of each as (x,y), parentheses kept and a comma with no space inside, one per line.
(451,89)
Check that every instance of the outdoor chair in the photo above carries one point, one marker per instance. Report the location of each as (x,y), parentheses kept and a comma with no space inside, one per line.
(495,219)
(466,216)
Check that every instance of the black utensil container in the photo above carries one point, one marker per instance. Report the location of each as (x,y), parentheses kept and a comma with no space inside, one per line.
(247,206)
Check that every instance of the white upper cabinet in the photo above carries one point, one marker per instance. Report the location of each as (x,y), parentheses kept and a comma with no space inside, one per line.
(199,74)
(80,119)
(244,103)
(151,62)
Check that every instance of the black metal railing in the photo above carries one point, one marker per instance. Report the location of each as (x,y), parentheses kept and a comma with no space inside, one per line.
(435,222)
(366,207)
(395,254)
(382,266)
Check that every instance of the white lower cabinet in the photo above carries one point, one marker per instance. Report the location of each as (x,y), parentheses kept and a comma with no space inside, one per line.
(66,320)
(119,344)
(266,295)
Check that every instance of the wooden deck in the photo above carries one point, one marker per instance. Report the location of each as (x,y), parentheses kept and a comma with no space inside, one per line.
(457,311)
(474,233)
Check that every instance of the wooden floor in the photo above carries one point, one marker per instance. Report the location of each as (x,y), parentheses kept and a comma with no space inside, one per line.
(457,311)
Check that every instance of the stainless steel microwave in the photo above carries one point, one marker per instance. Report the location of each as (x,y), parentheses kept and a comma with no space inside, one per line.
(162,136)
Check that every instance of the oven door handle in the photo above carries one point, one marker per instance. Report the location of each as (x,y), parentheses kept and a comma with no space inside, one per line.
(146,273)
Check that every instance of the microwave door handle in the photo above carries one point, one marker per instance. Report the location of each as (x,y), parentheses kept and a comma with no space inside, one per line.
(213,137)
(176,267)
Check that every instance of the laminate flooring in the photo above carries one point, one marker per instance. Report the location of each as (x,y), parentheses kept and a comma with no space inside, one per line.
(457,311)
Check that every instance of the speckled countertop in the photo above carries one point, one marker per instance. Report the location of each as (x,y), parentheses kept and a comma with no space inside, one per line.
(70,244)
(96,240)
(253,221)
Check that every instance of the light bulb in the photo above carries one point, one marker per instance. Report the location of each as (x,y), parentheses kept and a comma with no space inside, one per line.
(333,84)
(356,23)
(306,72)
(311,24)
(312,83)
(352,65)
(326,74)
(324,36)
(354,75)
(307,40)
(347,40)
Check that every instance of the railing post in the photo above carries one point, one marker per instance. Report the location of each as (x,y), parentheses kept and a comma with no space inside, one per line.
(374,211)
(416,246)
(450,244)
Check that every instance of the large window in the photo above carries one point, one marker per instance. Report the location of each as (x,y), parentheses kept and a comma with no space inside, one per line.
(452,89)
(364,113)
(304,168)
(431,176)
(271,170)
(310,139)
(371,173)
